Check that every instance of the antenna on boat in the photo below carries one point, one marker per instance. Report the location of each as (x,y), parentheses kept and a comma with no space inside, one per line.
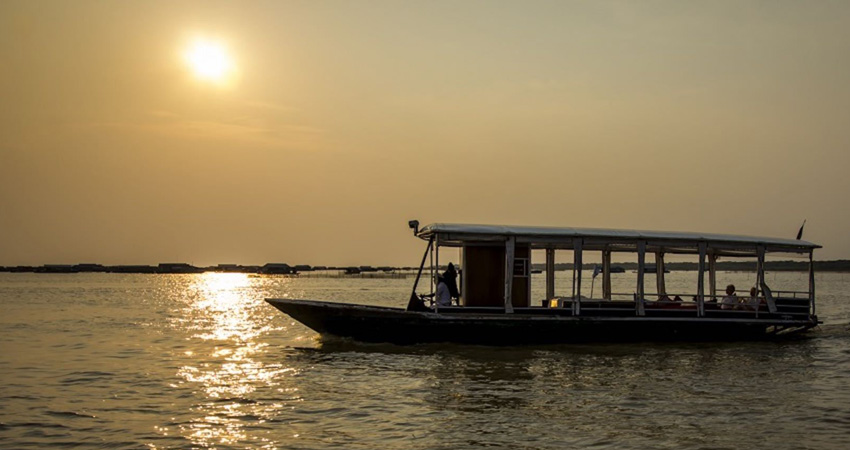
(414,224)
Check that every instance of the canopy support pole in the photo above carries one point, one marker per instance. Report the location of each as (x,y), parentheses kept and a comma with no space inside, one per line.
(712,275)
(550,274)
(812,281)
(431,247)
(436,256)
(510,246)
(659,274)
(577,247)
(701,281)
(641,251)
(606,274)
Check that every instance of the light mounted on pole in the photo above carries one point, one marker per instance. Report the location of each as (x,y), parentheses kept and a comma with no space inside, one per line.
(414,225)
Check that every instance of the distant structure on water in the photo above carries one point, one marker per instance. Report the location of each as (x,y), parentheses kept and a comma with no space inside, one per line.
(841,265)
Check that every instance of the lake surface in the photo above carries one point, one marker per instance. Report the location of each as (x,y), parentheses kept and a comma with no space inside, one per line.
(201,361)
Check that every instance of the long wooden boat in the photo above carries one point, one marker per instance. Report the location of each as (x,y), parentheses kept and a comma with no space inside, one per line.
(494,305)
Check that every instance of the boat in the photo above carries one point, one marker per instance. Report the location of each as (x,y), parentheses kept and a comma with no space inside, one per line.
(495,305)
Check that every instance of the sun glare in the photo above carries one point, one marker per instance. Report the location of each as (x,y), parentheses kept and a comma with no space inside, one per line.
(209,60)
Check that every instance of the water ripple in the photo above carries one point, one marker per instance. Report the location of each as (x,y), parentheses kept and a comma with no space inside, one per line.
(200,361)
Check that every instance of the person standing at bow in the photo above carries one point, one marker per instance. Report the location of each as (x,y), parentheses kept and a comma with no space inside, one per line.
(450,278)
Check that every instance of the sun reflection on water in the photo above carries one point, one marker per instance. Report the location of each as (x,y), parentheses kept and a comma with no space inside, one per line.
(224,299)
(227,318)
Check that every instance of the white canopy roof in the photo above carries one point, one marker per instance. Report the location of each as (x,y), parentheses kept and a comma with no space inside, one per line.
(456,234)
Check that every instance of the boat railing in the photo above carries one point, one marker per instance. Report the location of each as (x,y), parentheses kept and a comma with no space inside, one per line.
(789,305)
(795,301)
(794,294)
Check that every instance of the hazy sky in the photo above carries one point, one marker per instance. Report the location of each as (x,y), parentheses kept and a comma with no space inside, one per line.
(340,121)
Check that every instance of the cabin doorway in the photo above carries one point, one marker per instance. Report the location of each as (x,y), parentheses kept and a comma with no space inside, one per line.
(484,275)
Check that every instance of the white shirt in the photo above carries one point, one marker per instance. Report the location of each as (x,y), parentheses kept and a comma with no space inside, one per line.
(729,302)
(754,303)
(443,298)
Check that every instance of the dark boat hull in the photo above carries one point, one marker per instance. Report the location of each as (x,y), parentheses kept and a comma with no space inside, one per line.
(396,325)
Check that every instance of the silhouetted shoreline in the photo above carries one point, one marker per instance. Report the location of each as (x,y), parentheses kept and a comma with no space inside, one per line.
(183,268)
(841,265)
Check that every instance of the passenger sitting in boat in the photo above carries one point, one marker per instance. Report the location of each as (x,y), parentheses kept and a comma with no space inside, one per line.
(731,300)
(443,296)
(752,303)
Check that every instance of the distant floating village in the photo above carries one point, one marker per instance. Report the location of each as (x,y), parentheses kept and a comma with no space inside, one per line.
(178,268)
(370,271)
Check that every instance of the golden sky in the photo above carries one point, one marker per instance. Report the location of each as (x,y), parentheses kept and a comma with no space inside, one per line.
(338,121)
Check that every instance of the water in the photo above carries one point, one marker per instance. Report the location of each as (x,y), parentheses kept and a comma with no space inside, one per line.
(200,361)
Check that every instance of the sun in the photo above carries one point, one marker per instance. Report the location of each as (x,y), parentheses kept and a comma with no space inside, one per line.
(209,60)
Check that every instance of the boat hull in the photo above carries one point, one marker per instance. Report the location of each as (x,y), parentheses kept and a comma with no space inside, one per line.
(395,325)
